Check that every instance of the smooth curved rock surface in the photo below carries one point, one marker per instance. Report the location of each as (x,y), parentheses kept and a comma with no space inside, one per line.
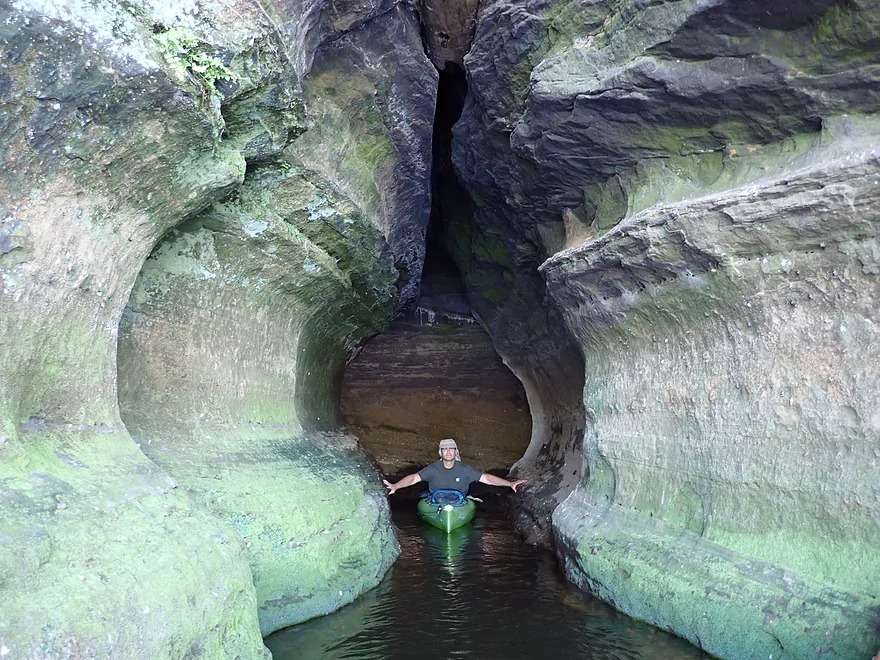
(697,176)
(371,94)
(119,121)
(697,171)
(107,145)
(770,496)
(230,358)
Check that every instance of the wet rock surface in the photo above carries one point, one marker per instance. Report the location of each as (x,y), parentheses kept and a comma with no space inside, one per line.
(119,122)
(372,93)
(780,351)
(714,399)
(107,145)
(230,352)
(664,214)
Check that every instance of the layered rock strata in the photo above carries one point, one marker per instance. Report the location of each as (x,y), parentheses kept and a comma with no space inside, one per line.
(743,450)
(230,356)
(658,194)
(419,382)
(107,146)
(120,121)
(705,209)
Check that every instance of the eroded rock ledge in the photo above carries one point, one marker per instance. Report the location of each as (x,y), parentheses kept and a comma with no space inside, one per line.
(759,305)
(664,213)
(694,182)
(229,503)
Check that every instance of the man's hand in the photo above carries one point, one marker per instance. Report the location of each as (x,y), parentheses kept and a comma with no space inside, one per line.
(406,482)
(492,480)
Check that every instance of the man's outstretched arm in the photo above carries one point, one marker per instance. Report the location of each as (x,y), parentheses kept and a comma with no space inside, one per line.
(408,480)
(492,480)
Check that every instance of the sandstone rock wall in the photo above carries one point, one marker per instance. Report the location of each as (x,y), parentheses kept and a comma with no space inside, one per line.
(670,232)
(230,353)
(732,398)
(697,176)
(418,383)
(120,121)
(105,150)
(371,93)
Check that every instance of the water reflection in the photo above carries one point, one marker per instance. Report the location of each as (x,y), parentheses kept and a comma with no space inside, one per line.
(446,550)
(477,592)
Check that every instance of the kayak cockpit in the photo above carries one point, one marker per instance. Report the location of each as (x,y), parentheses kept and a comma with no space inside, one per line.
(447,509)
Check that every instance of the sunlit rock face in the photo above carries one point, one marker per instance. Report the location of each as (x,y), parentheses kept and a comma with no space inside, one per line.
(119,121)
(448,30)
(699,178)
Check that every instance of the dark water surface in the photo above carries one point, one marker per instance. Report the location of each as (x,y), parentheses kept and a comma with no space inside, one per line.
(478,592)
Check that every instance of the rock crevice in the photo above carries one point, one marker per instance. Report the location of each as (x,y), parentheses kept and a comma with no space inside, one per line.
(663,213)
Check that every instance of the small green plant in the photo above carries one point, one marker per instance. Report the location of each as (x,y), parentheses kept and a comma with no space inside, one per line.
(185,54)
(297,234)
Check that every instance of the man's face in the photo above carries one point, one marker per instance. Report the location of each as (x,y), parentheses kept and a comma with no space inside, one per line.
(447,453)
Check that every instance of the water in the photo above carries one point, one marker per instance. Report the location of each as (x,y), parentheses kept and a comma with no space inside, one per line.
(478,592)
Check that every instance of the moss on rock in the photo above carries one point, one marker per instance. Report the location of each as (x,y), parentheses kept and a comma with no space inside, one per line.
(742,482)
(91,525)
(230,357)
(106,148)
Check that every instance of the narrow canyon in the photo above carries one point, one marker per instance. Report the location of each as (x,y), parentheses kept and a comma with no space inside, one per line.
(256,254)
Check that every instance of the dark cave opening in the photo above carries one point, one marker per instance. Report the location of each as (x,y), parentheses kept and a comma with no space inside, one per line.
(452,91)
(442,289)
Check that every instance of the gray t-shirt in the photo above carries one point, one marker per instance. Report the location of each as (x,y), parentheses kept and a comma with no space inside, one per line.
(459,477)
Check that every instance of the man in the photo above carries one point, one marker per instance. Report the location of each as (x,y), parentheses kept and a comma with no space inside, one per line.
(449,473)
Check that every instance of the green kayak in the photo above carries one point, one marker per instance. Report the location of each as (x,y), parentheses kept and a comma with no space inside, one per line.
(447,510)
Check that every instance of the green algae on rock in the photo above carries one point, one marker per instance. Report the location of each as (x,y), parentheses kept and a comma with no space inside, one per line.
(698,177)
(371,94)
(111,558)
(105,150)
(231,353)
(751,499)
